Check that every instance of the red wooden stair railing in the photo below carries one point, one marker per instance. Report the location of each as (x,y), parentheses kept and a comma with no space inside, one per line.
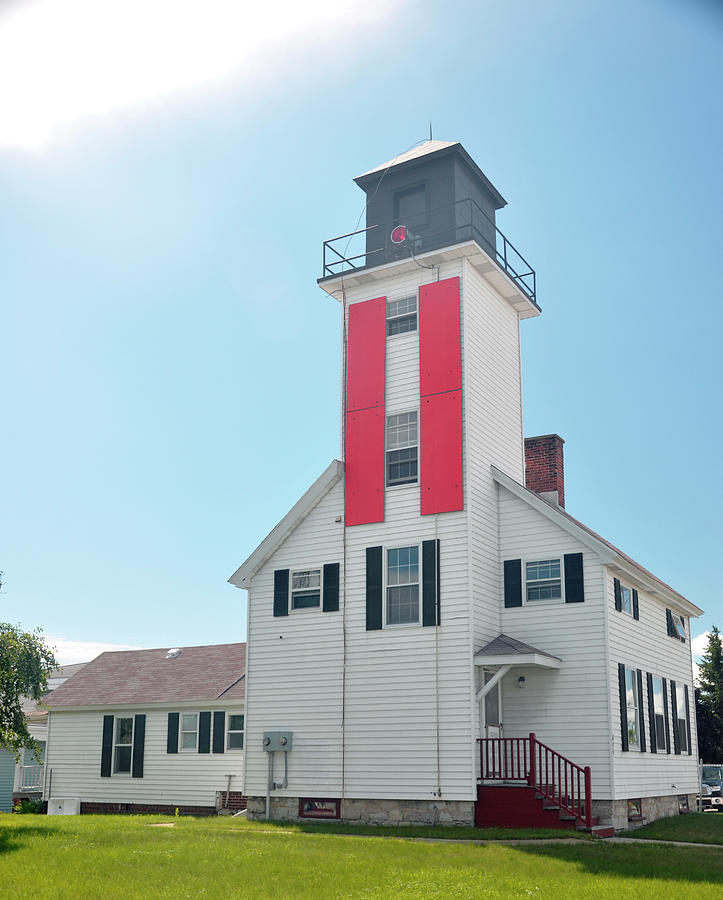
(551,774)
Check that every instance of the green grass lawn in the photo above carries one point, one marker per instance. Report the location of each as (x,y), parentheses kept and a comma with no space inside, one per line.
(120,856)
(703,828)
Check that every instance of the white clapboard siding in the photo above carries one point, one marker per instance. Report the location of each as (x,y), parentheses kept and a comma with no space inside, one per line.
(393,723)
(187,778)
(644,644)
(491,359)
(566,708)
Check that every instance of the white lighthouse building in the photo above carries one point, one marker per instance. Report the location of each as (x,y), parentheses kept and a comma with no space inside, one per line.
(432,638)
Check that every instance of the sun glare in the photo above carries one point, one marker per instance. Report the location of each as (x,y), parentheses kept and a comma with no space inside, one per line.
(65,61)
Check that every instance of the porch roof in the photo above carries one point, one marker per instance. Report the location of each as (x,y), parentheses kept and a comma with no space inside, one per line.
(508,651)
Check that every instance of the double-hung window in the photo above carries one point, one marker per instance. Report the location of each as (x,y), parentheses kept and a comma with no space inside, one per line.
(632,700)
(403,586)
(682,715)
(305,588)
(660,713)
(123,744)
(401,315)
(189,731)
(543,580)
(235,732)
(402,447)
(626,600)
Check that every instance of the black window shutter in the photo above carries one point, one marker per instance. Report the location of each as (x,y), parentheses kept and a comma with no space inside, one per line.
(374,588)
(674,710)
(687,720)
(281,592)
(641,712)
(513,582)
(623,706)
(651,713)
(219,731)
(574,584)
(204,732)
(618,595)
(669,623)
(172,739)
(106,755)
(666,716)
(331,587)
(139,741)
(636,608)
(430,582)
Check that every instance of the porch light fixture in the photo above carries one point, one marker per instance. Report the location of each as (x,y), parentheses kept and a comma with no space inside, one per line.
(521,681)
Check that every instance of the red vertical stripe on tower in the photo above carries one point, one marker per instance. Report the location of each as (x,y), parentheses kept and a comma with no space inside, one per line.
(440,384)
(364,452)
(440,435)
(440,359)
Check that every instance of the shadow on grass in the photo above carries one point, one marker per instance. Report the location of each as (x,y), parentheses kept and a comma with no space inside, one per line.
(15,837)
(653,861)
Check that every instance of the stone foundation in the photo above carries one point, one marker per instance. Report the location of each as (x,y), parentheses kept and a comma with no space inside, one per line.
(374,812)
(615,812)
(140,809)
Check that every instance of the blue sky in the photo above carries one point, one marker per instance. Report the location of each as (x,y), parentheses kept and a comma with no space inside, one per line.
(169,366)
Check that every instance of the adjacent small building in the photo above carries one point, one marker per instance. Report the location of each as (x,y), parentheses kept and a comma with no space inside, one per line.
(149,731)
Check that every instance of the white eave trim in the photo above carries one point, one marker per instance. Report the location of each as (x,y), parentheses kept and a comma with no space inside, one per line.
(153,706)
(293,518)
(542,506)
(608,556)
(478,257)
(518,659)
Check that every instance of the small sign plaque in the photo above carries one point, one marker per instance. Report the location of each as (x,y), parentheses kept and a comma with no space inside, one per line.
(319,808)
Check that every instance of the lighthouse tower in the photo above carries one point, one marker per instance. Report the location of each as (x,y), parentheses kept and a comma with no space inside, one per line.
(385,577)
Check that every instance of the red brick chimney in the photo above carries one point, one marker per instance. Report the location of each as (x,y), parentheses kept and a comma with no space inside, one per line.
(545,467)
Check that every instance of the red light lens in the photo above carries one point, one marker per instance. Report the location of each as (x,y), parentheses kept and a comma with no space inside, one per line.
(399,235)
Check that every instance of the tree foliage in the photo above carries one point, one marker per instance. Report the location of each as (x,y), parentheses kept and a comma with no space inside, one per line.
(25,665)
(709,700)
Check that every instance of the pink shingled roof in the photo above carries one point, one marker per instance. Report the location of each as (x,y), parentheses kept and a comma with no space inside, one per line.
(147,676)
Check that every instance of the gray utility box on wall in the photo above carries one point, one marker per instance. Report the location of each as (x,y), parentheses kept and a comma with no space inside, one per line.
(277,740)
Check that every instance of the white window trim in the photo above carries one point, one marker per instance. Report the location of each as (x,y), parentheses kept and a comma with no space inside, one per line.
(114,772)
(181,731)
(230,731)
(305,609)
(658,745)
(389,318)
(680,702)
(553,601)
(638,699)
(401,484)
(628,612)
(385,566)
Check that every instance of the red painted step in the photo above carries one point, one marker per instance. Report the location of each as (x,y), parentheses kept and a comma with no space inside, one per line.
(517,807)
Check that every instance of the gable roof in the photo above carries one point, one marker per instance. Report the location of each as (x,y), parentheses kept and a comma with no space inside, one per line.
(504,645)
(609,554)
(293,518)
(125,677)
(508,651)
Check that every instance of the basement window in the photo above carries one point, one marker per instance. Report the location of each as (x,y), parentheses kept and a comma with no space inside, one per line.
(543,580)
(635,810)
(306,589)
(401,315)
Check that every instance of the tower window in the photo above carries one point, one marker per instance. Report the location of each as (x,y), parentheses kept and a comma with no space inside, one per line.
(402,448)
(403,586)
(410,206)
(402,315)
